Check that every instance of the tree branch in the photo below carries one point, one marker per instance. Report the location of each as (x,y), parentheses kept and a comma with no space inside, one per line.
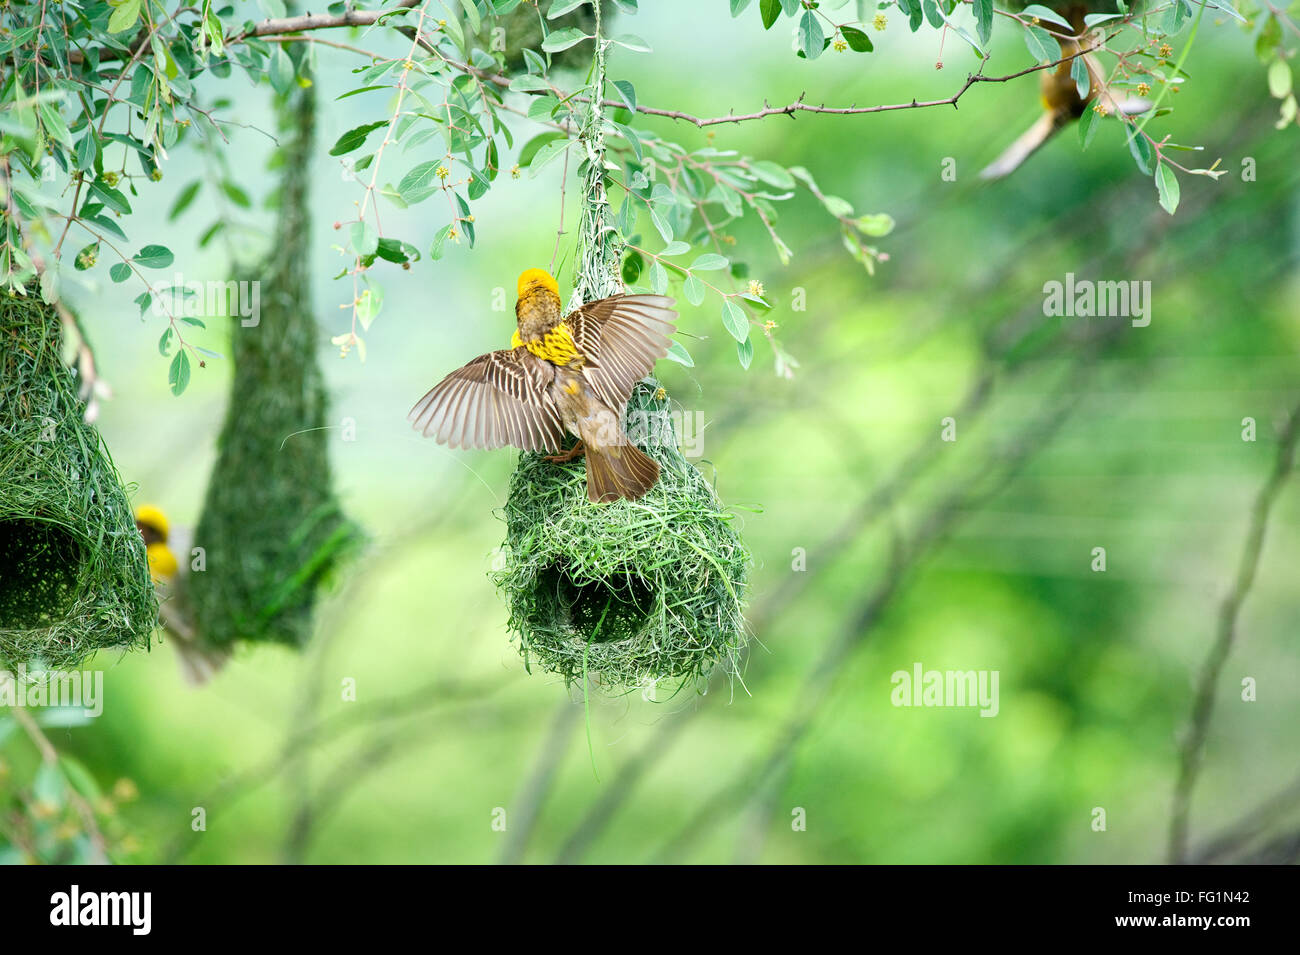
(1193,752)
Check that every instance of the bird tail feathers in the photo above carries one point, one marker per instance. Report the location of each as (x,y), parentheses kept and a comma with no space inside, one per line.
(619,471)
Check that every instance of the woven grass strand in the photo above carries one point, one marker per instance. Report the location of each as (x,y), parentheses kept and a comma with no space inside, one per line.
(671,568)
(74,577)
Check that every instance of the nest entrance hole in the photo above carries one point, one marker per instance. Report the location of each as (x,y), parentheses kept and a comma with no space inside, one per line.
(40,567)
(629,597)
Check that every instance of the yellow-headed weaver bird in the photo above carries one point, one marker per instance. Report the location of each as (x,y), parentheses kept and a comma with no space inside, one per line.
(199,662)
(563,373)
(1059,93)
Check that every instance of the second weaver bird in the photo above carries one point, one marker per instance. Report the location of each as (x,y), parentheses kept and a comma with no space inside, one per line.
(199,661)
(563,373)
(1059,92)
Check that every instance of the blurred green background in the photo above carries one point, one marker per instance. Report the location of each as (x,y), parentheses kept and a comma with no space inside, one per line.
(975,554)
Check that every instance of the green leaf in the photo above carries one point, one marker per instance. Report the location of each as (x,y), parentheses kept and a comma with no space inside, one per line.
(236,195)
(1079,73)
(1167,188)
(770,10)
(858,41)
(1051,16)
(875,225)
(709,262)
(549,152)
(658,278)
(662,224)
(1140,149)
(154,257)
(733,318)
(1279,79)
(365,240)
(772,173)
(86,257)
(634,43)
(54,124)
(560,7)
(178,375)
(125,15)
(563,39)
(811,38)
(1089,123)
(184,199)
(281,71)
(627,92)
(369,305)
(120,272)
(435,253)
(417,185)
(680,355)
(355,138)
(86,151)
(110,197)
(534,146)
(1042,45)
(745,352)
(694,289)
(472,15)
(984,19)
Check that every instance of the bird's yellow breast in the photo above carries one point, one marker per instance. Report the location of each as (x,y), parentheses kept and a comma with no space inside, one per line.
(556,346)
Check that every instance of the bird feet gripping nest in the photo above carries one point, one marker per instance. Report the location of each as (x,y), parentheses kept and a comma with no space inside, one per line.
(574,452)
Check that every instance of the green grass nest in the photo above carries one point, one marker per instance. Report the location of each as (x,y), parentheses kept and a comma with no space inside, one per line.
(73,573)
(633,592)
(272,528)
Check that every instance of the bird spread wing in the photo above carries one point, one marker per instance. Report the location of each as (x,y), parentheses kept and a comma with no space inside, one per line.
(497,399)
(621,338)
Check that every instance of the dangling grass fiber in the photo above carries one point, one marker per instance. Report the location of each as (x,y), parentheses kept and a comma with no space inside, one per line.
(271,527)
(648,591)
(73,573)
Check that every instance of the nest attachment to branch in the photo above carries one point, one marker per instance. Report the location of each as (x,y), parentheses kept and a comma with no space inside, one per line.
(634,592)
(73,573)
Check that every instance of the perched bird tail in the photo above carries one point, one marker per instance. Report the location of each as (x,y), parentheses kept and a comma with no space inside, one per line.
(198,663)
(1043,129)
(620,470)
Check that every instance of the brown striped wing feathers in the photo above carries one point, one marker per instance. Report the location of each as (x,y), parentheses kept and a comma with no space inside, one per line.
(497,399)
(621,338)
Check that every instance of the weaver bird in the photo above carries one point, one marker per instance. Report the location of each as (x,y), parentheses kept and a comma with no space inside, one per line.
(1059,92)
(563,373)
(199,662)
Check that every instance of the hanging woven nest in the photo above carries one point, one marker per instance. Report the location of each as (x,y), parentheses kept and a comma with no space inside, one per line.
(272,529)
(633,592)
(73,573)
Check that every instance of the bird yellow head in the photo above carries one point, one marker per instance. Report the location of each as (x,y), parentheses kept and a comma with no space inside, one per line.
(162,562)
(149,516)
(537,278)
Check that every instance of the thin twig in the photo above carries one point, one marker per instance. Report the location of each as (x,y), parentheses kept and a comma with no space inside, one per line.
(527,805)
(1193,750)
